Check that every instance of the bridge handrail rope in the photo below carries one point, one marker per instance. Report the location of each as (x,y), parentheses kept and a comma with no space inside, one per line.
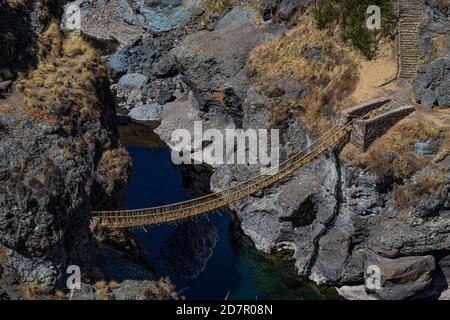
(235,195)
(233,187)
(147,219)
(238,185)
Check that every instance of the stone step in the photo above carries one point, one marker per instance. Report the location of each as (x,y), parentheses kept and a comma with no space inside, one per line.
(409,33)
(408,73)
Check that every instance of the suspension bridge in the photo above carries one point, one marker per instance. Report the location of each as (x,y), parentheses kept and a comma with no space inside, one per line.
(335,136)
(408,59)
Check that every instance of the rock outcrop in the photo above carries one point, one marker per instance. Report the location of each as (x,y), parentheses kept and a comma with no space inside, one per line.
(60,158)
(431,86)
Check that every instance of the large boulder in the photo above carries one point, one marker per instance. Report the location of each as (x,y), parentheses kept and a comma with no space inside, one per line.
(146,113)
(106,20)
(402,278)
(216,60)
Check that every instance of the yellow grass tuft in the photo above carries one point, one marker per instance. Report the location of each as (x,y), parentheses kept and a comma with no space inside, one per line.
(31,290)
(59,295)
(100,290)
(113,285)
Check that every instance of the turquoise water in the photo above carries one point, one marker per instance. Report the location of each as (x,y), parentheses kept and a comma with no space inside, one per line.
(236,270)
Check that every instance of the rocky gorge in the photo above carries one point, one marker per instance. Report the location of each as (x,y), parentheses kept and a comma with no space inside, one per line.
(261,64)
(60,159)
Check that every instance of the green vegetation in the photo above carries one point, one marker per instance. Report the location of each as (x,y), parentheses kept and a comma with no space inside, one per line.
(351,15)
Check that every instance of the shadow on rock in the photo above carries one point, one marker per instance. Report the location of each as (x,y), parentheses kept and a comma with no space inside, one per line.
(189,248)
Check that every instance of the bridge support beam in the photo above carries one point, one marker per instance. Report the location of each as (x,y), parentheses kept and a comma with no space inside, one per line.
(365,132)
(364,108)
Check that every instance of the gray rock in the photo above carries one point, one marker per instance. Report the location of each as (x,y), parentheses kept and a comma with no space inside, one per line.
(163,95)
(402,278)
(426,148)
(311,53)
(166,15)
(355,293)
(428,98)
(107,20)
(3,294)
(236,18)
(165,67)
(216,60)
(289,7)
(268,8)
(146,113)
(443,94)
(444,265)
(132,80)
(46,209)
(4,85)
(285,9)
(30,270)
(431,85)
(118,62)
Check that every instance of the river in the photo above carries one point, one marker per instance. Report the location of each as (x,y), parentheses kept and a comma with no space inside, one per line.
(236,270)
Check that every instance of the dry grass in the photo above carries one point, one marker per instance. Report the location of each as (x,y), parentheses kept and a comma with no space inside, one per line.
(17,3)
(62,90)
(328,80)
(59,295)
(410,195)
(162,289)
(111,163)
(100,290)
(394,153)
(113,285)
(32,290)
(436,49)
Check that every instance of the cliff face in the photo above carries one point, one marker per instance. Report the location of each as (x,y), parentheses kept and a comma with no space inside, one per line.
(60,158)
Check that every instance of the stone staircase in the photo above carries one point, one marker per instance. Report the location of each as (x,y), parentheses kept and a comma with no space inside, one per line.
(410,16)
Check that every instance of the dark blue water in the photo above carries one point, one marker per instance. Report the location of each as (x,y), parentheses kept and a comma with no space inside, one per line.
(236,270)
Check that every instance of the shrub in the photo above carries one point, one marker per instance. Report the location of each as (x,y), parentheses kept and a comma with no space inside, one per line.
(31,290)
(350,15)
